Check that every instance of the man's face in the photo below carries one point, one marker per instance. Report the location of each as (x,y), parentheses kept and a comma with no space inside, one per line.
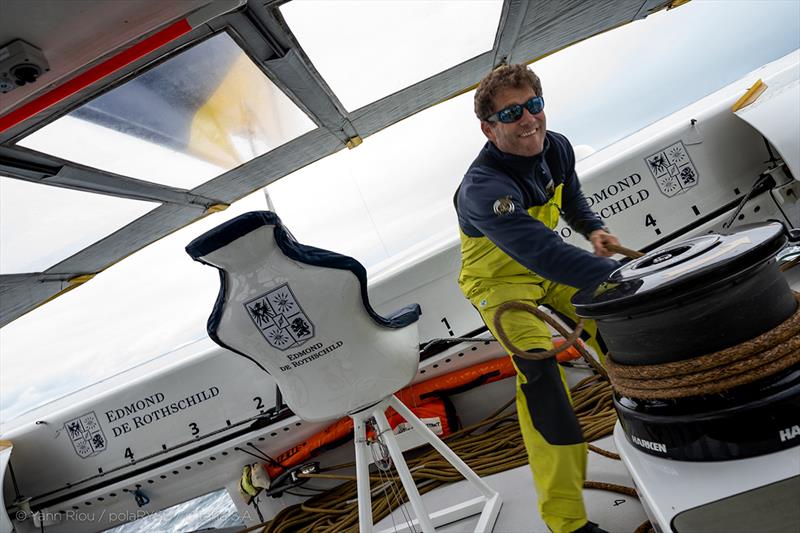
(524,137)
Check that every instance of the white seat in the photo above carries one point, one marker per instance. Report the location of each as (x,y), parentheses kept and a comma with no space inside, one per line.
(303,315)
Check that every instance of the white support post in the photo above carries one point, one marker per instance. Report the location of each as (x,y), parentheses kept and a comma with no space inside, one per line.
(387,435)
(488,504)
(441,447)
(362,474)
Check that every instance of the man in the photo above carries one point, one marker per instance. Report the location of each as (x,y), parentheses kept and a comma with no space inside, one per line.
(508,204)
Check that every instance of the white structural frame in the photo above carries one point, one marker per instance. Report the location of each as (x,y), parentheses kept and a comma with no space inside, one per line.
(5,455)
(488,504)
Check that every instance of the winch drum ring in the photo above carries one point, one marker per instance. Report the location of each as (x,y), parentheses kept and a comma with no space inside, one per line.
(726,290)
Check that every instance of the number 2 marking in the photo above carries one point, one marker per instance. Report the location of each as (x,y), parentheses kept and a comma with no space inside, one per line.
(259,402)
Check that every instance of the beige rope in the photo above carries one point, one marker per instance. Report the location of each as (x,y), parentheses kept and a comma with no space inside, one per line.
(763,356)
(793,263)
(490,446)
(627,252)
(570,338)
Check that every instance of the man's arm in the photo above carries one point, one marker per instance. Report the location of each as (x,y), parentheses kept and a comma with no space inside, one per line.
(526,239)
(578,214)
(601,240)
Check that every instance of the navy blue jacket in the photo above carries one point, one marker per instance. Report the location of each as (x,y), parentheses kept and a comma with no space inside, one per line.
(529,181)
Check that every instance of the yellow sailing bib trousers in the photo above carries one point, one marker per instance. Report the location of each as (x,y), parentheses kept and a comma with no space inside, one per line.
(552,436)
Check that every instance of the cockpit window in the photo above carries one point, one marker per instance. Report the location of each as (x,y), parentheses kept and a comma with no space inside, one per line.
(63,222)
(193,117)
(368,50)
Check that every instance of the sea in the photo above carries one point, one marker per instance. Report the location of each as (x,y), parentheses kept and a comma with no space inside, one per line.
(212,511)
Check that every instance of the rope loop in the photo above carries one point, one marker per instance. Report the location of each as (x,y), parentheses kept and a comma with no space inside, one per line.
(516,305)
(570,338)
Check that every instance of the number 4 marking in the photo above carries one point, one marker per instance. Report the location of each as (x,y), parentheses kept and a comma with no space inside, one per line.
(650,221)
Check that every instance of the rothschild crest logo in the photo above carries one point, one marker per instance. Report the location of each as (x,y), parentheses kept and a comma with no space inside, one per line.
(280,319)
(672,169)
(503,206)
(86,435)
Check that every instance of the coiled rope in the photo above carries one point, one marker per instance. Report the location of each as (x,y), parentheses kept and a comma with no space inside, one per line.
(763,356)
(570,338)
(747,362)
(790,264)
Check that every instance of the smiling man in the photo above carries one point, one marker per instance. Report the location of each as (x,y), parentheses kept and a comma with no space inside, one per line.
(508,205)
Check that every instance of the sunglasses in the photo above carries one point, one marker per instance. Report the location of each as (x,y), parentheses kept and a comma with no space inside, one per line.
(513,113)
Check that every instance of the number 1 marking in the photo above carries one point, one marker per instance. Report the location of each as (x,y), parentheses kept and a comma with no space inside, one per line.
(447,325)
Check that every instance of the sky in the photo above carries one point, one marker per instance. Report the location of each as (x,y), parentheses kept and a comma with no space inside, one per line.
(374,202)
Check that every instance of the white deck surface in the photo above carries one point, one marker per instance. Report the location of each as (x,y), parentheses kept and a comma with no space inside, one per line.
(614,512)
(702,482)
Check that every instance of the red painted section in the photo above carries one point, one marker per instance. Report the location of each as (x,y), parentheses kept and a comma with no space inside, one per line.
(416,397)
(98,72)
(342,429)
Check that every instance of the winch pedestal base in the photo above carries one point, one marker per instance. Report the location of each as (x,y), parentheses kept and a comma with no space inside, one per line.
(756,419)
(754,494)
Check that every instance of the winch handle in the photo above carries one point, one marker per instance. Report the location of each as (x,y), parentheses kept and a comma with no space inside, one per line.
(627,252)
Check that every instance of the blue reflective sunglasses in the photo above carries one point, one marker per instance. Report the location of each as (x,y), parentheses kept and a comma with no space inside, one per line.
(513,113)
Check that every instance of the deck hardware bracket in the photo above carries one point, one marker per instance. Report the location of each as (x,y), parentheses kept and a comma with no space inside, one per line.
(352,142)
(141,498)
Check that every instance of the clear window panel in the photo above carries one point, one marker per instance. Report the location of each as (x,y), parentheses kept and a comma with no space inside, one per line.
(367,50)
(193,117)
(142,308)
(393,194)
(42,225)
(603,89)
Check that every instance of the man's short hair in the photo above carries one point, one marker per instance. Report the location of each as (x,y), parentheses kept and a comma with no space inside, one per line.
(515,76)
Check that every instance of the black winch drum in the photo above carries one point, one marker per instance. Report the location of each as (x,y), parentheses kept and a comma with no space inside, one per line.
(691,298)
